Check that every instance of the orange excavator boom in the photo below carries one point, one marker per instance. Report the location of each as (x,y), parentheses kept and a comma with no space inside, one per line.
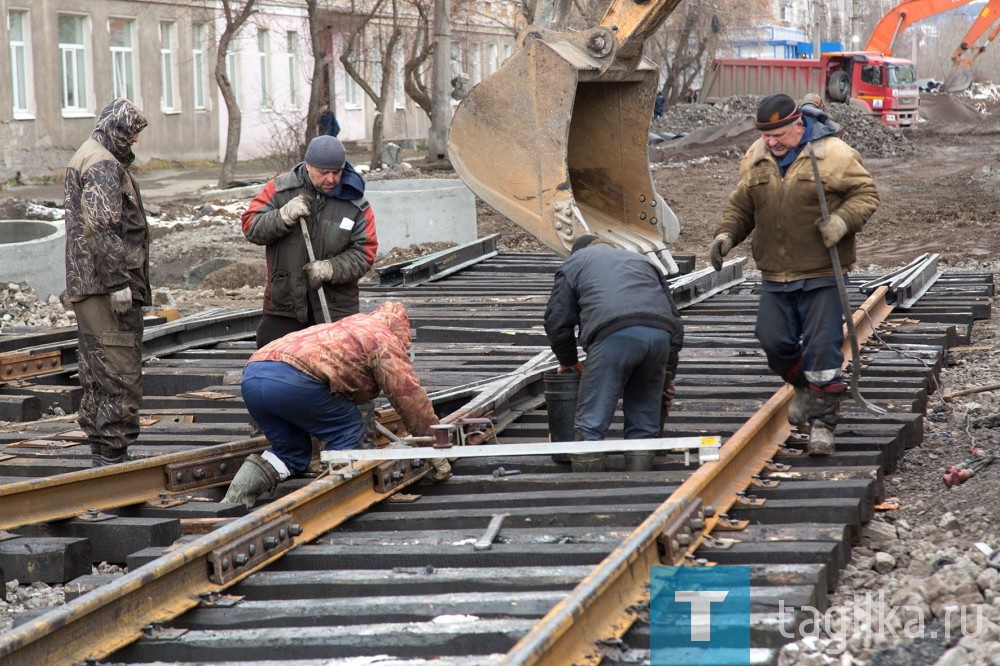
(901,17)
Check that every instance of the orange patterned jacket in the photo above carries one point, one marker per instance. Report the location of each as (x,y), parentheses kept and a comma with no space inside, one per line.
(358,357)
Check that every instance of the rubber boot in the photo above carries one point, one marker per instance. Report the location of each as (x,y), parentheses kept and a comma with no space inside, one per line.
(799,405)
(586,462)
(108,457)
(824,407)
(254,478)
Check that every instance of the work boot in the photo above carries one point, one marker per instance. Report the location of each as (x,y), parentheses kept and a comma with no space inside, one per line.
(820,440)
(798,406)
(586,462)
(254,478)
(108,457)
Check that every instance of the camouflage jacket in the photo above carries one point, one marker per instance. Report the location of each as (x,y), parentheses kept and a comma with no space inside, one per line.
(107,236)
(358,357)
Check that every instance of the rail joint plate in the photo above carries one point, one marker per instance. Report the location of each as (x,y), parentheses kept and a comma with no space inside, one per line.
(251,549)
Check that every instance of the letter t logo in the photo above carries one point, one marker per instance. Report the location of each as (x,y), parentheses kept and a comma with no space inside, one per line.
(701,610)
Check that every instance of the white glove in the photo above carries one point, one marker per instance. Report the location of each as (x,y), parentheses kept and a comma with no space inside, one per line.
(318,272)
(121,301)
(295,209)
(833,229)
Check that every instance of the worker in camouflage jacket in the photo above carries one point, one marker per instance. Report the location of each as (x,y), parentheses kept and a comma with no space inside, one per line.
(309,383)
(327,192)
(800,318)
(107,279)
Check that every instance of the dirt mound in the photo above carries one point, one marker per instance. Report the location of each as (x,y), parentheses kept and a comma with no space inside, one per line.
(950,114)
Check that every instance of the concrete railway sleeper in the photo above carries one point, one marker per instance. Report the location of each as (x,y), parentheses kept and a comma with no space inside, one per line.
(336,573)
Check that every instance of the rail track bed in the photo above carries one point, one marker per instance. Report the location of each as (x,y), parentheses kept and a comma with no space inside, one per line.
(513,560)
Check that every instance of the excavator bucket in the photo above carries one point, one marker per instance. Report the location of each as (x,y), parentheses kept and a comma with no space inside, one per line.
(958,79)
(556,140)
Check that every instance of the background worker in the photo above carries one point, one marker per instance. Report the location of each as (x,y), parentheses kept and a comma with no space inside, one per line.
(309,383)
(328,122)
(800,318)
(107,279)
(329,194)
(631,331)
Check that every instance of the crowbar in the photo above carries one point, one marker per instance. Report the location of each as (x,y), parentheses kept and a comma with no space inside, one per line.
(838,272)
(312,258)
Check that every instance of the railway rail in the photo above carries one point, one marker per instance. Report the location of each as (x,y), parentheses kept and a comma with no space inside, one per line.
(513,560)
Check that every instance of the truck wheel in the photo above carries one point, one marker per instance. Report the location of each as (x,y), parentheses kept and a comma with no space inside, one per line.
(839,87)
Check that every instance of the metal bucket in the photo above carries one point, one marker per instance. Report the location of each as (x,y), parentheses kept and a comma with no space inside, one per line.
(560,403)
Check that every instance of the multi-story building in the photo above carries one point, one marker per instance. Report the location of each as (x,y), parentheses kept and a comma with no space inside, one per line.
(68,58)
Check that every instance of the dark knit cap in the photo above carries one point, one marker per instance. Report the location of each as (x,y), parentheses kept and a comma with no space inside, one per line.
(583,241)
(326,152)
(776,111)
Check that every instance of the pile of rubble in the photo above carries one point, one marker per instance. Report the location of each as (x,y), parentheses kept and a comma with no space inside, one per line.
(20,308)
(869,136)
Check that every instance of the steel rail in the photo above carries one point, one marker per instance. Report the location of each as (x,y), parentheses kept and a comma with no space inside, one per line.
(604,604)
(65,495)
(95,625)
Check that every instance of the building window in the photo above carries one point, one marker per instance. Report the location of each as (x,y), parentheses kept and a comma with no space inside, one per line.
(73,62)
(20,65)
(122,58)
(233,69)
(291,54)
(198,63)
(264,63)
(168,66)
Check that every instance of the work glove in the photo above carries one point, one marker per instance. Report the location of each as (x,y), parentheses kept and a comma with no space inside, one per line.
(294,210)
(576,367)
(721,246)
(318,272)
(668,396)
(121,301)
(833,229)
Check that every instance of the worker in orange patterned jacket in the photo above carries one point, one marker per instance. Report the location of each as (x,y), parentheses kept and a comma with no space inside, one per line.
(308,384)
(325,191)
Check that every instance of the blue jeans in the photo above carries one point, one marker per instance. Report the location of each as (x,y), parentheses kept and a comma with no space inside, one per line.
(631,363)
(801,327)
(290,407)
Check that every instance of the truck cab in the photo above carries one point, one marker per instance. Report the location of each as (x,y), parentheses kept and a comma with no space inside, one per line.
(886,86)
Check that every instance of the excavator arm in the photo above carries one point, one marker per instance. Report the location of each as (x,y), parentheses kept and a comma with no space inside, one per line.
(556,138)
(960,77)
(901,17)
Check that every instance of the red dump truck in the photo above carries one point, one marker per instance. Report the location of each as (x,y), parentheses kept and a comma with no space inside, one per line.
(885,86)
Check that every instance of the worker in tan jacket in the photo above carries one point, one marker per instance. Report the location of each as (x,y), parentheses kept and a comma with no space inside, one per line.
(800,318)
(309,383)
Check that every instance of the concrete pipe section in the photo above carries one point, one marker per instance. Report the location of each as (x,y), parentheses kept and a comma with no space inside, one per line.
(34,252)
(422,210)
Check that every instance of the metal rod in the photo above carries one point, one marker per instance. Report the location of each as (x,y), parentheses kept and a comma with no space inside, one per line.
(485,542)
(312,258)
(838,273)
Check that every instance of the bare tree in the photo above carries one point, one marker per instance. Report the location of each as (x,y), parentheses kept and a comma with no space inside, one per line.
(369,48)
(235,17)
(319,64)
(691,37)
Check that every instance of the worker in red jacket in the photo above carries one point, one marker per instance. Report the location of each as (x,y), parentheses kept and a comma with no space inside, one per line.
(309,383)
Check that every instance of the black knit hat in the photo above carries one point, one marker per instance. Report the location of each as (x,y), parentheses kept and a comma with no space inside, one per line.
(776,111)
(583,241)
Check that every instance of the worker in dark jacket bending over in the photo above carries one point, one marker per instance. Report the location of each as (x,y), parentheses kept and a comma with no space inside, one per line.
(329,194)
(631,331)
(800,318)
